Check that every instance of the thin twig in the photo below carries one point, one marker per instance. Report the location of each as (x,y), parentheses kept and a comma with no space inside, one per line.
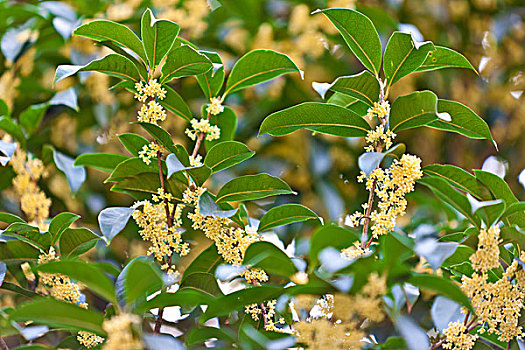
(3,344)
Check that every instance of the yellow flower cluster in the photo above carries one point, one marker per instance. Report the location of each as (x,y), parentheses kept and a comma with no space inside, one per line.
(165,241)
(381,110)
(378,136)
(497,304)
(33,201)
(390,186)
(189,14)
(152,89)
(120,334)
(215,106)
(212,131)
(152,111)
(196,161)
(231,242)
(458,338)
(268,313)
(486,256)
(149,151)
(355,251)
(340,326)
(60,287)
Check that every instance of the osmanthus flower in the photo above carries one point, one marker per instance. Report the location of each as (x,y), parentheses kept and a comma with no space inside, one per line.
(62,288)
(487,254)
(212,132)
(269,315)
(120,334)
(338,324)
(151,111)
(215,106)
(165,240)
(33,201)
(458,338)
(150,151)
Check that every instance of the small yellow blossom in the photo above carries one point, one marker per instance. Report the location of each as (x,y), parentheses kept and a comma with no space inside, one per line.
(120,335)
(487,254)
(457,337)
(212,131)
(215,106)
(355,251)
(380,109)
(150,90)
(149,151)
(196,161)
(151,112)
(379,136)
(88,339)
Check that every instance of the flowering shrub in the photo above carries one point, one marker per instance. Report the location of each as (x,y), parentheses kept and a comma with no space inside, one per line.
(184,252)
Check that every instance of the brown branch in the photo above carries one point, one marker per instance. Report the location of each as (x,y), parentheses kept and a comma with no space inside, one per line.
(3,344)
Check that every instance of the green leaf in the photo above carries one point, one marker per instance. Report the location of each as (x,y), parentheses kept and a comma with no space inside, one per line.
(133,143)
(182,62)
(101,161)
(141,66)
(237,300)
(158,37)
(457,200)
(113,220)
(251,187)
(258,66)
(54,313)
(211,81)
(18,251)
(403,56)
(513,209)
(208,207)
(60,223)
(102,30)
(363,86)
(76,175)
(200,334)
(207,261)
(227,123)
(162,136)
(174,103)
(19,290)
(76,241)
(284,215)
(139,278)
(268,257)
(203,281)
(9,218)
(13,129)
(226,154)
(91,276)
(112,64)
(31,117)
(441,285)
(463,121)
(360,35)
(330,236)
(315,116)
(354,104)
(133,166)
(186,298)
(410,111)
(4,109)
(29,234)
(443,57)
(458,178)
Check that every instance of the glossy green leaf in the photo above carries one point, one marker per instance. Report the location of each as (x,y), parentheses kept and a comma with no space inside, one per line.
(92,277)
(76,241)
(285,214)
(458,178)
(102,30)
(158,37)
(13,129)
(443,57)
(410,111)
(200,334)
(320,117)
(75,175)
(60,223)
(354,104)
(226,154)
(112,64)
(441,285)
(403,56)
(174,103)
(258,66)
(369,161)
(182,62)
(211,81)
(9,218)
(208,207)
(31,117)
(134,166)
(139,278)
(133,143)
(113,220)
(463,121)
(251,187)
(207,261)
(16,250)
(101,161)
(271,259)
(330,236)
(54,313)
(227,123)
(162,136)
(360,35)
(202,281)
(363,86)
(29,234)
